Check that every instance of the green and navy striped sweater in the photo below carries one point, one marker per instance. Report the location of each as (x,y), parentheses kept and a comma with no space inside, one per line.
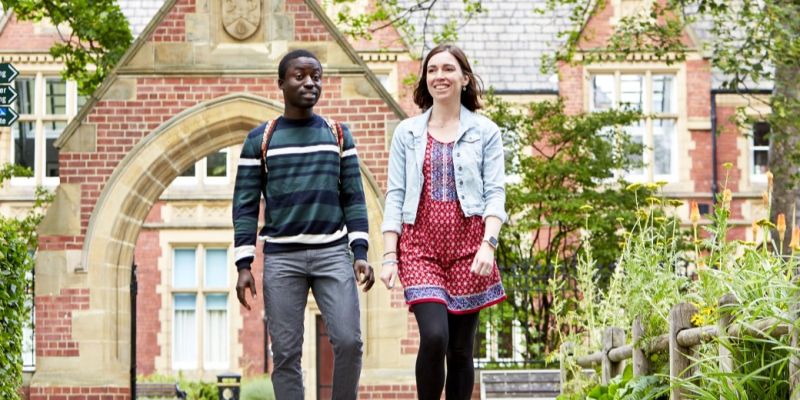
(306,207)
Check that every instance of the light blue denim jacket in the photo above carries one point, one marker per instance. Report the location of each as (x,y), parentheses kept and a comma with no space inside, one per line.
(477,161)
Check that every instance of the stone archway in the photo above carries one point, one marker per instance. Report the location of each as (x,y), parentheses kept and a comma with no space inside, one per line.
(102,330)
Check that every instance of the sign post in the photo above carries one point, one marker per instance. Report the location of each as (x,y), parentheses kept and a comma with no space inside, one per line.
(7,94)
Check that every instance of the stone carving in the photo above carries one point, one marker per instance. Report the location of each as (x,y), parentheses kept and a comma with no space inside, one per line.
(241,18)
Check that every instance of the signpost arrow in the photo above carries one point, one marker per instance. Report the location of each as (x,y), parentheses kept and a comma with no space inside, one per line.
(7,116)
(7,95)
(7,73)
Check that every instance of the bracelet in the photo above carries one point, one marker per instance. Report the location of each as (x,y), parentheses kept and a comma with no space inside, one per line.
(388,262)
(389,252)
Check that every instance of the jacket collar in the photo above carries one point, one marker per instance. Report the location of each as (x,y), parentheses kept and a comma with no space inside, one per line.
(466,121)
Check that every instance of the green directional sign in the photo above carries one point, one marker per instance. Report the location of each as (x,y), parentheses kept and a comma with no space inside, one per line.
(7,95)
(7,73)
(8,116)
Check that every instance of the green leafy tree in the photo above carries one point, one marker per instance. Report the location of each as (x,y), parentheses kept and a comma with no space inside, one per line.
(568,182)
(94,35)
(752,42)
(17,242)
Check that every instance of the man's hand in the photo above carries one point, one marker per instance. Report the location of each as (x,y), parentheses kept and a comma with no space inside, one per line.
(245,280)
(364,274)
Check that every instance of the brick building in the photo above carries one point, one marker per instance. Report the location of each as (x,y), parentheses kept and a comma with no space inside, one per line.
(143,172)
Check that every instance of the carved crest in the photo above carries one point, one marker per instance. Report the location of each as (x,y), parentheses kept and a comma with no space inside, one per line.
(241,18)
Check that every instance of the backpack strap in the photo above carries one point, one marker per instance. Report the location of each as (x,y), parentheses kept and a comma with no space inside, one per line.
(269,128)
(338,134)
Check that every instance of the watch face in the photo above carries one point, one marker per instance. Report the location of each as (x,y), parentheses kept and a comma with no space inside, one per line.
(493,241)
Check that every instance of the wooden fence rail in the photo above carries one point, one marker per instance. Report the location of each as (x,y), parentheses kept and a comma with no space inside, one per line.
(681,342)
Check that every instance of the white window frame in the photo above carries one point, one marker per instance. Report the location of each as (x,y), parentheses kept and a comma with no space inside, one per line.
(648,155)
(200,291)
(492,341)
(201,175)
(39,117)
(754,177)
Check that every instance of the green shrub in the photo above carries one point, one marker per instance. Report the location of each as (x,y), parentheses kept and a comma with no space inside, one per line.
(17,243)
(257,388)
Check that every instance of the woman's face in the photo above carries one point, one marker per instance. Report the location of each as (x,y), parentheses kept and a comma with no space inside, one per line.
(445,77)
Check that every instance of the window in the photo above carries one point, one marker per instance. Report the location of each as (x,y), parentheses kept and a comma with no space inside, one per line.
(45,105)
(211,170)
(200,308)
(759,142)
(499,342)
(654,95)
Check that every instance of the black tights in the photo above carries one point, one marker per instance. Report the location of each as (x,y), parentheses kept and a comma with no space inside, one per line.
(444,334)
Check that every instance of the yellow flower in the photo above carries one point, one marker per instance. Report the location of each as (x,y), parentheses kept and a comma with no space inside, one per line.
(766,224)
(633,186)
(755,229)
(586,208)
(694,214)
(727,165)
(781,226)
(675,203)
(653,200)
(795,243)
(727,195)
(660,219)
(661,183)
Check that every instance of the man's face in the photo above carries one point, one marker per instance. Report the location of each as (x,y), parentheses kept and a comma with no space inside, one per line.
(302,83)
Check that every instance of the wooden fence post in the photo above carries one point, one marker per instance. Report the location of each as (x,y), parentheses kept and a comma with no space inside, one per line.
(641,364)
(566,351)
(679,357)
(612,338)
(725,319)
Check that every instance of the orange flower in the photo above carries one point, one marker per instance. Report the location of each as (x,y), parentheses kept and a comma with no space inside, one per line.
(769,181)
(781,224)
(795,243)
(694,214)
(765,198)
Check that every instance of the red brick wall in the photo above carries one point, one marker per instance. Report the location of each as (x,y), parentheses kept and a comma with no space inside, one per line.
(698,88)
(20,35)
(54,322)
(597,30)
(148,302)
(570,87)
(173,27)
(251,336)
(387,392)
(79,393)
(307,28)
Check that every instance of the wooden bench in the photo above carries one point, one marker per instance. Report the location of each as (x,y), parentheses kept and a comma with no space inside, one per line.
(523,384)
(159,390)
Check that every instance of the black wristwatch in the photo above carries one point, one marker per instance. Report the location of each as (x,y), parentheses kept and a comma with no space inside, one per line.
(492,241)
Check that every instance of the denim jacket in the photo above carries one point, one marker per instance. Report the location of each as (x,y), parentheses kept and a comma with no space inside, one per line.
(478,165)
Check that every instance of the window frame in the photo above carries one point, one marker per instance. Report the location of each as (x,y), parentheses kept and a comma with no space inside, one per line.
(39,118)
(200,291)
(648,138)
(201,177)
(754,177)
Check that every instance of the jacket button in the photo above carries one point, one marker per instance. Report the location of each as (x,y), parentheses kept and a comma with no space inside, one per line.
(461,183)
(459,168)
(458,154)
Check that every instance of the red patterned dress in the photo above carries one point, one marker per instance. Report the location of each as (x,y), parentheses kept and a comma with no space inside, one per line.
(436,252)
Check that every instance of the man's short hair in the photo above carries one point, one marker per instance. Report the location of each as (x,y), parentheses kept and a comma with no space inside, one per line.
(284,64)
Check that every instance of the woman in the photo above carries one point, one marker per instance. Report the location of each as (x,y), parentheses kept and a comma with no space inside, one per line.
(445,204)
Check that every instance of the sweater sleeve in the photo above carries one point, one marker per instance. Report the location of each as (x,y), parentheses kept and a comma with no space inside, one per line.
(247,199)
(351,197)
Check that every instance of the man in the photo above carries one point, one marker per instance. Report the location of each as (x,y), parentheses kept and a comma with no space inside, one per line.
(314,209)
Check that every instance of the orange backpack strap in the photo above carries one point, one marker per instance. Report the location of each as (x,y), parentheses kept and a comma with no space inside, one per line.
(268,129)
(338,134)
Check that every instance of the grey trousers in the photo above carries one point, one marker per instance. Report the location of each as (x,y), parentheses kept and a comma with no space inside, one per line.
(329,274)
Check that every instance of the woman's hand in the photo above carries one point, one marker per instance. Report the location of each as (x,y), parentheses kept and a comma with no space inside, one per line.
(389,275)
(484,260)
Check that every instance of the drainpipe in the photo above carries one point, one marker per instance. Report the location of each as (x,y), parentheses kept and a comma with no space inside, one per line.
(714,178)
(134,290)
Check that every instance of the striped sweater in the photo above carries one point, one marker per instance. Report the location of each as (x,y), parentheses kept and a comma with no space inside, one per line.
(306,206)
